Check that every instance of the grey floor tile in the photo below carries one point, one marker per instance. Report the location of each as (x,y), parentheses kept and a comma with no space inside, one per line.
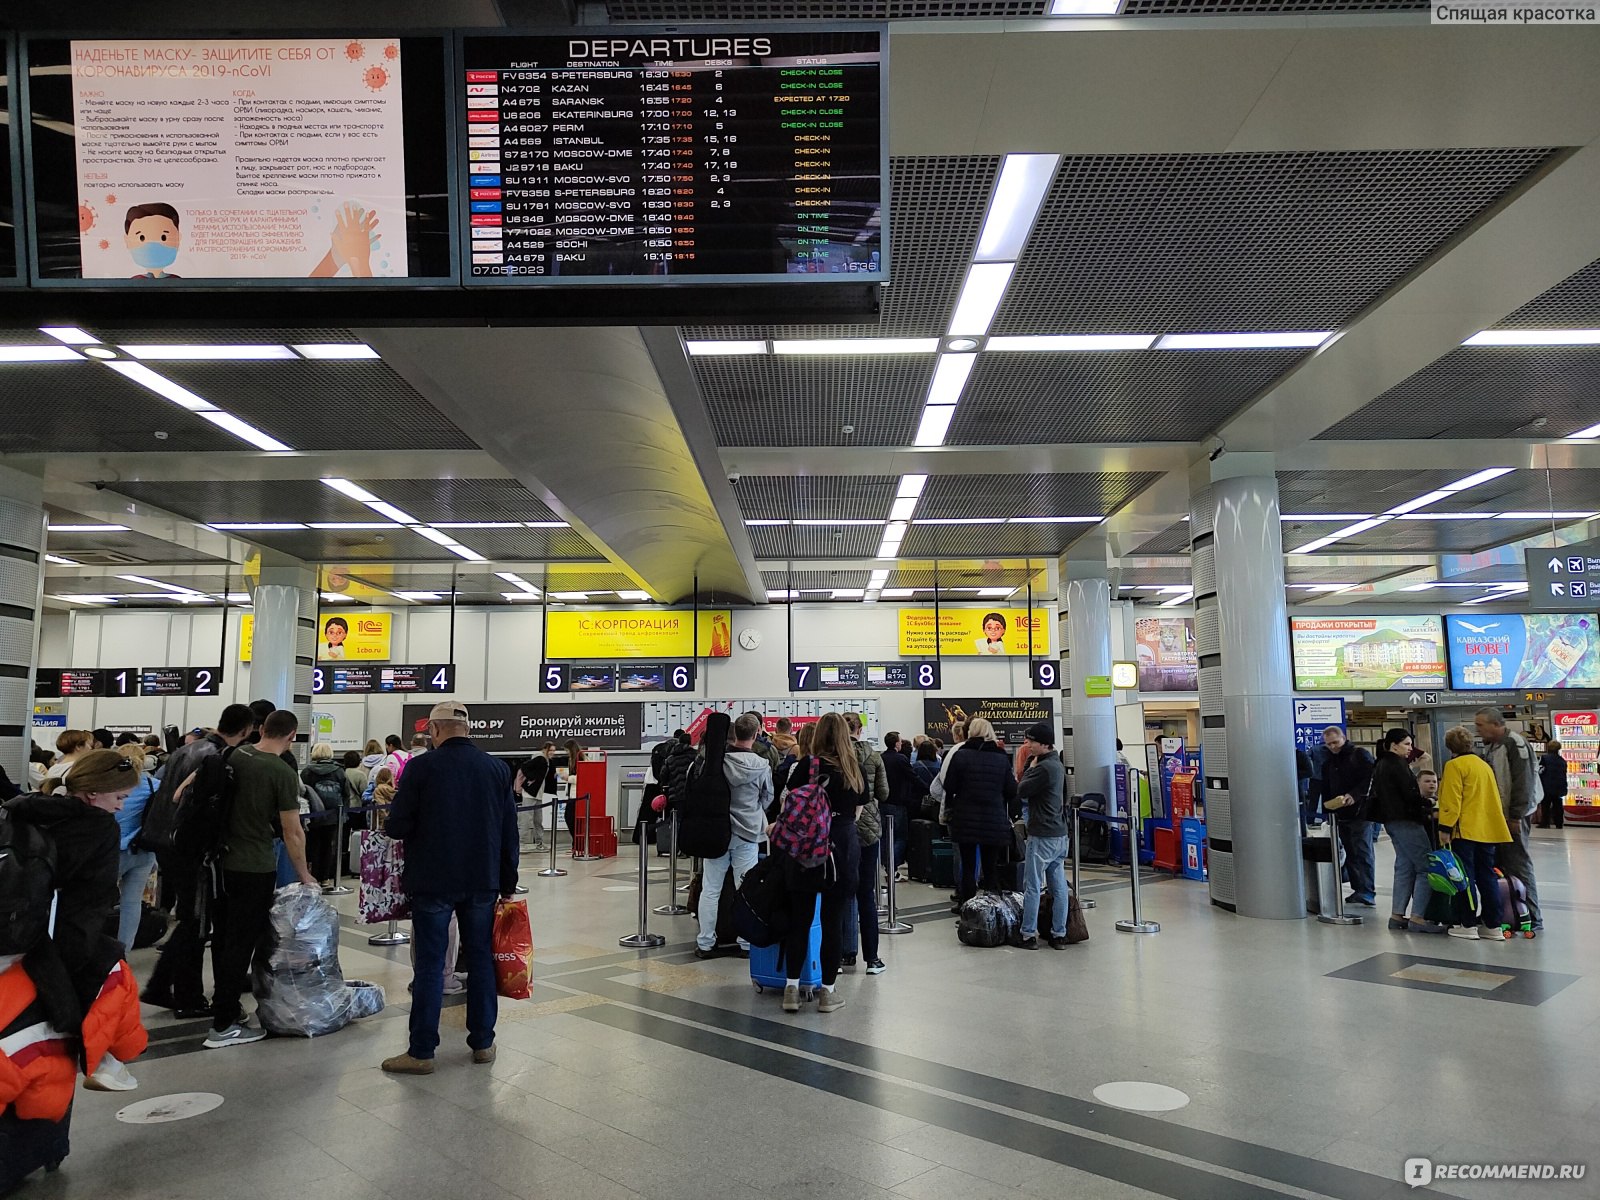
(997,1164)
(947,1183)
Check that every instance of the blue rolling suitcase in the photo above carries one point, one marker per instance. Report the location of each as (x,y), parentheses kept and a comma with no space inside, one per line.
(767,970)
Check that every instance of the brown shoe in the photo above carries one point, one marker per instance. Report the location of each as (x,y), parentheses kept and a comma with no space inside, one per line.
(486,1055)
(404,1064)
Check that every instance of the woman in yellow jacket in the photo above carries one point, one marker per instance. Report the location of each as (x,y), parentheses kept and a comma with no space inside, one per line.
(1472,824)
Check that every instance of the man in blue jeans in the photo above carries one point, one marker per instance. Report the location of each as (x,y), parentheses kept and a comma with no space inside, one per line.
(455,813)
(1042,790)
(750,791)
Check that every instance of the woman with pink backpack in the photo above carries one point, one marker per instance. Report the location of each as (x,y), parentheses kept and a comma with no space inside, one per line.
(815,838)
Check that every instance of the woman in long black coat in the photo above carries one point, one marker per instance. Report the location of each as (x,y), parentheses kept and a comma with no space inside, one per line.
(982,794)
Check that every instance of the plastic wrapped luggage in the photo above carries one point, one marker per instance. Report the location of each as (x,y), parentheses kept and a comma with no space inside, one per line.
(990,919)
(299,988)
(768,970)
(26,1146)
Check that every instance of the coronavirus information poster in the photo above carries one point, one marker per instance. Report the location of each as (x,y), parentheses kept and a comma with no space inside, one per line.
(211,159)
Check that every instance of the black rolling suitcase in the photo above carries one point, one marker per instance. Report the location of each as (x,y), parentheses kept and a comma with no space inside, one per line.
(919,851)
(25,1146)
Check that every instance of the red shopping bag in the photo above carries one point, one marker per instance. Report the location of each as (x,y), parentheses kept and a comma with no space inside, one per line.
(513,950)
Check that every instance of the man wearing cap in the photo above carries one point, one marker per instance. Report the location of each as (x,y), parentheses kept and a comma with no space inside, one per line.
(1042,791)
(455,812)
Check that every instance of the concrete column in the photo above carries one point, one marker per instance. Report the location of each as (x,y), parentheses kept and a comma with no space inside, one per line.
(1091,721)
(285,640)
(22,542)
(1247,726)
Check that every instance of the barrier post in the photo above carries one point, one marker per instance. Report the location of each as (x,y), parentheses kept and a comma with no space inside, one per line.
(891,922)
(1338,916)
(392,938)
(643,939)
(338,888)
(1135,840)
(671,908)
(1083,901)
(552,871)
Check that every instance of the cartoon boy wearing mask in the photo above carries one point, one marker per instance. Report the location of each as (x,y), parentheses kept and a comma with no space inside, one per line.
(150,232)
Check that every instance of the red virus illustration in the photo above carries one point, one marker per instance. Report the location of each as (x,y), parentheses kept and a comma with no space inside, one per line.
(104,245)
(111,197)
(376,78)
(355,51)
(85,218)
(391,51)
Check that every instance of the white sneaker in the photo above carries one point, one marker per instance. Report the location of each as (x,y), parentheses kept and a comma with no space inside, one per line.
(453,986)
(233,1035)
(1467,933)
(112,1075)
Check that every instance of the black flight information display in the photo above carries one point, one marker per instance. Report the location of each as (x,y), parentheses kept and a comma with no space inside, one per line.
(622,156)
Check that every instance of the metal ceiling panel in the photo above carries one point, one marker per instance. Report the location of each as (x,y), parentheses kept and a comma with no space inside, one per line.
(1572,303)
(1298,571)
(253,500)
(138,546)
(815,497)
(814,580)
(1154,395)
(403,545)
(1357,491)
(435,500)
(1530,491)
(936,207)
(1446,537)
(815,541)
(1487,392)
(74,408)
(1174,539)
(762,400)
(1207,242)
(1001,496)
(980,541)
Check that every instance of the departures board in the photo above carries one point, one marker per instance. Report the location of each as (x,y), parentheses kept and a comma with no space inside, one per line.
(629,156)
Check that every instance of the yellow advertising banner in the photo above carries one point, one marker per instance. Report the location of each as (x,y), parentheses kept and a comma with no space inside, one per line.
(636,633)
(358,636)
(974,631)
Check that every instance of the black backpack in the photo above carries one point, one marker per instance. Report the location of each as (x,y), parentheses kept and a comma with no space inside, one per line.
(201,826)
(330,790)
(706,828)
(27,884)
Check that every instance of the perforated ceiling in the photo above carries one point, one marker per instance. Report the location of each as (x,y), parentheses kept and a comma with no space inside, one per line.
(74,408)
(763,400)
(249,500)
(1090,494)
(1205,242)
(815,497)
(463,499)
(1574,302)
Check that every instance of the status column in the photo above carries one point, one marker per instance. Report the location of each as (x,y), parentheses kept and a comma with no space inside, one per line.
(1089,719)
(284,647)
(1246,699)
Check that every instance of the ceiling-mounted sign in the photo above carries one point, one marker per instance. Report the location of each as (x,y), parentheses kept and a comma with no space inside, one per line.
(357,679)
(637,633)
(993,632)
(1515,650)
(1010,717)
(359,635)
(525,728)
(1353,654)
(1165,650)
(1563,578)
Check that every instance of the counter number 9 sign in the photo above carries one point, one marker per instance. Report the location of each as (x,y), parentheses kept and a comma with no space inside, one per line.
(1046,674)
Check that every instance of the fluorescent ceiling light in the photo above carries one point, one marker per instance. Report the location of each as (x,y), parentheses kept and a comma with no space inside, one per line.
(899,593)
(208,353)
(958,521)
(1018,195)
(433,535)
(702,349)
(1242,341)
(935,424)
(1324,587)
(417,595)
(848,593)
(1054,520)
(242,430)
(33,354)
(858,346)
(393,513)
(70,334)
(257,525)
(569,595)
(1420,587)
(547,525)
(911,486)
(895,529)
(156,583)
(87,599)
(1419,502)
(633,595)
(780,594)
(353,524)
(1438,516)
(902,508)
(518,580)
(241,598)
(846,521)
(86,528)
(1323,516)
(466,552)
(878,578)
(1184,598)
(519,595)
(765,521)
(995,593)
(1592,432)
(1535,337)
(162,386)
(1544,516)
(336,350)
(1483,476)
(354,490)
(949,378)
(1085,8)
(1336,535)
(1075,341)
(59,561)
(477,524)
(980,297)
(330,598)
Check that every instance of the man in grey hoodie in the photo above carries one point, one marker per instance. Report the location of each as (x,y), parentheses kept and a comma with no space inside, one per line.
(750,784)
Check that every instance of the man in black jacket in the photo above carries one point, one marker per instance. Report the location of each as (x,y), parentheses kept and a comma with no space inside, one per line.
(1042,791)
(455,813)
(1346,780)
(906,791)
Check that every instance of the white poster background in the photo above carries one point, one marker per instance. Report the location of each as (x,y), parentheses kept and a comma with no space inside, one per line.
(283,159)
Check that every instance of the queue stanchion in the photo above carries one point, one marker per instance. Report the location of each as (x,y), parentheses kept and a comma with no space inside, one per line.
(582,821)
(672,908)
(1083,901)
(552,871)
(338,888)
(393,937)
(891,922)
(1338,916)
(1135,839)
(643,939)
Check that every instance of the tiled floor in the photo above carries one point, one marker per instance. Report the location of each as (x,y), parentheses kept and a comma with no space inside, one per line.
(961,1073)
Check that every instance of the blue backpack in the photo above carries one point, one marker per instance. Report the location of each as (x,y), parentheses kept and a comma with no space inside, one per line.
(1447,877)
